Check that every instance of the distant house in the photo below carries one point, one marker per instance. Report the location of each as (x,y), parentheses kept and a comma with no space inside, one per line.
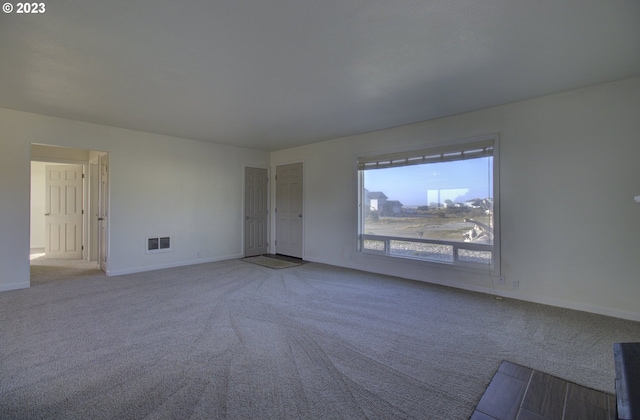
(392,208)
(476,203)
(377,200)
(479,203)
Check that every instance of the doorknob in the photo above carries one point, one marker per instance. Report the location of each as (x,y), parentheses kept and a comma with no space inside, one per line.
(300,215)
(46,214)
(100,219)
(247,218)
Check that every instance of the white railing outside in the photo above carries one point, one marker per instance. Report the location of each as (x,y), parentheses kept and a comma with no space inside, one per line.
(477,255)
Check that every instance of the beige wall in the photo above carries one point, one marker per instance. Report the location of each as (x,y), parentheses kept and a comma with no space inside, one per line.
(159,185)
(568,173)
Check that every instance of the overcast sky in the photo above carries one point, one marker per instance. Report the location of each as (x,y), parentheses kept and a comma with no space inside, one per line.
(418,185)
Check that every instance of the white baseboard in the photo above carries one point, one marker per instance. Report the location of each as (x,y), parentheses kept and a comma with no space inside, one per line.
(134,270)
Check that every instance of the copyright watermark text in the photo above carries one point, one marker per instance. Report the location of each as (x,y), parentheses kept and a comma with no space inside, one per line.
(24,8)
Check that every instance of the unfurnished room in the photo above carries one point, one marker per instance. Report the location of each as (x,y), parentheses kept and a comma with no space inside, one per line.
(320,210)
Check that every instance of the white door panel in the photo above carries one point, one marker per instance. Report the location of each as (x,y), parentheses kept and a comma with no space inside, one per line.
(255,212)
(289,205)
(63,204)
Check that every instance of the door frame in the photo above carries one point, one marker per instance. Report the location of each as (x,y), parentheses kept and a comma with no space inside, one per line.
(92,226)
(94,208)
(86,191)
(269,210)
(104,211)
(274,216)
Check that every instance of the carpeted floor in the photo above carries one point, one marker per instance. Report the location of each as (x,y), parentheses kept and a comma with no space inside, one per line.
(237,340)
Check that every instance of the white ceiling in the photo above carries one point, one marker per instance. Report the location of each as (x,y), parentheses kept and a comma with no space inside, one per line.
(271,74)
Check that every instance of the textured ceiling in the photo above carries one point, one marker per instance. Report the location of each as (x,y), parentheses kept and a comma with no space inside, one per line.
(279,73)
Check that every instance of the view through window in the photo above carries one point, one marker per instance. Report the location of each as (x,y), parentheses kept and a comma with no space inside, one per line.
(435,204)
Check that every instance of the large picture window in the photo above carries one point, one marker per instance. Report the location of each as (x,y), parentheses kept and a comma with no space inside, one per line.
(437,204)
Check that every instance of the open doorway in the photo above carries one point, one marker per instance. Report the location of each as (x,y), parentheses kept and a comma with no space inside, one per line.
(69,207)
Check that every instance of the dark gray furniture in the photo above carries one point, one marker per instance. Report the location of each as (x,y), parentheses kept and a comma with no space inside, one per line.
(627,361)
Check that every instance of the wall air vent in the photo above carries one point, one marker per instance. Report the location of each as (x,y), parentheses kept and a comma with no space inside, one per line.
(156,244)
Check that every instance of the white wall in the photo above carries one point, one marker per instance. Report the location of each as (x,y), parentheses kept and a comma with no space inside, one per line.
(159,185)
(37,205)
(568,172)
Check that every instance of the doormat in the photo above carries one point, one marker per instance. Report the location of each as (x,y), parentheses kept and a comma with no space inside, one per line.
(517,392)
(270,262)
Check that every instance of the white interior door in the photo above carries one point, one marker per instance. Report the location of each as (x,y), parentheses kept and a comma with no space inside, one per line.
(255,212)
(63,211)
(289,215)
(103,210)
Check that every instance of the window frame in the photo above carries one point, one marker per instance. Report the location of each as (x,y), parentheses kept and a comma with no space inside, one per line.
(442,148)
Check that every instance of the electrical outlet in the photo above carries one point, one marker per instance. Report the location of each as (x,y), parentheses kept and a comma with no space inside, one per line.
(515,284)
(501,281)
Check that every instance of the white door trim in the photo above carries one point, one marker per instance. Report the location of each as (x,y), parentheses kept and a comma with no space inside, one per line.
(92,210)
(104,198)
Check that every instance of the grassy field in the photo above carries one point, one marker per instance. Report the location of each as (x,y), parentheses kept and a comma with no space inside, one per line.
(440,228)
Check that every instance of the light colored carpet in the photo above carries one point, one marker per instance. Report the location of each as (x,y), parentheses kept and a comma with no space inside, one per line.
(236,340)
(270,262)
